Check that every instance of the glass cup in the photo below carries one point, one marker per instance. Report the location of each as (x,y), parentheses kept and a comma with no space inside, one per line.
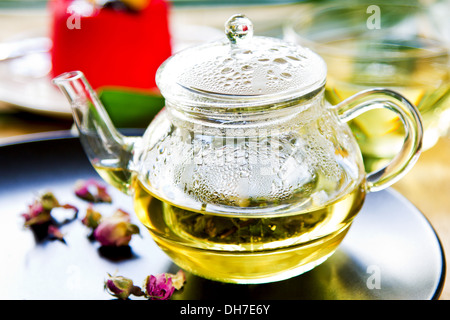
(392,45)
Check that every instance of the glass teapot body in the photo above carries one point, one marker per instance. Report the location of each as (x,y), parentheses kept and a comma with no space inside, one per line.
(260,197)
(288,158)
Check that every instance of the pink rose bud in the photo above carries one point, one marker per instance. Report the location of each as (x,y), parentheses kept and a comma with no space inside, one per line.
(121,287)
(92,191)
(159,287)
(36,214)
(40,219)
(115,230)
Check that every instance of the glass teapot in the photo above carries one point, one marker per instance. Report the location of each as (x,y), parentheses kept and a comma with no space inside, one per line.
(247,175)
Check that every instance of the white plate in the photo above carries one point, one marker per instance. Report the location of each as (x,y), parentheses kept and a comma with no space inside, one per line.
(26,84)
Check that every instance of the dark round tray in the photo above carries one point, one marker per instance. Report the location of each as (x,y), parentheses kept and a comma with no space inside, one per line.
(390,252)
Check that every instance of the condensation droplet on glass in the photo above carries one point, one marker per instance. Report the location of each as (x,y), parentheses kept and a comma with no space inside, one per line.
(226,70)
(280,61)
(293,58)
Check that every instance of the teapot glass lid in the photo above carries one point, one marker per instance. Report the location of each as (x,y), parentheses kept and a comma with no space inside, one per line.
(241,67)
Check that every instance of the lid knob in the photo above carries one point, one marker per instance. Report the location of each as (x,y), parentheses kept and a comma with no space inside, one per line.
(239,29)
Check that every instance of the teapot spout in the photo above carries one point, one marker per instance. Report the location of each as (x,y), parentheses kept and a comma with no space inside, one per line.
(110,152)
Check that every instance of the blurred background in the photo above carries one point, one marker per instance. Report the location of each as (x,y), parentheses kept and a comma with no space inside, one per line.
(29,103)
(411,55)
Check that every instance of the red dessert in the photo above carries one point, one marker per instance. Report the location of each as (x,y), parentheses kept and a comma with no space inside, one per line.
(113,44)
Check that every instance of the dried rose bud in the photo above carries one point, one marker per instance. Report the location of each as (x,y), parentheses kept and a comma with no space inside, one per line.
(92,218)
(159,287)
(121,287)
(40,210)
(178,279)
(92,191)
(116,230)
(36,214)
(39,217)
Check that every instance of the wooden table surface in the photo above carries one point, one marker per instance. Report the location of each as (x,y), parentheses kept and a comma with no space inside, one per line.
(427,185)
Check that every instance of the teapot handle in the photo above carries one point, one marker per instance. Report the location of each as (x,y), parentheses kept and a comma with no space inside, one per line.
(410,117)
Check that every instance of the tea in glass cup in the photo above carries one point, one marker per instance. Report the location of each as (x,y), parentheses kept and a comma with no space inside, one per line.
(393,46)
